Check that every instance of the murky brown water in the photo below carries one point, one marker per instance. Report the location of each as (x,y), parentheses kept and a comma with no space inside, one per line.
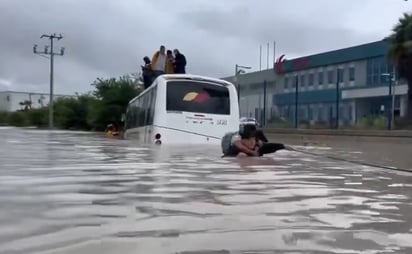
(386,151)
(65,192)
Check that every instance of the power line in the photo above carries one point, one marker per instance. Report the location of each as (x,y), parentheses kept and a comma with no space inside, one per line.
(46,51)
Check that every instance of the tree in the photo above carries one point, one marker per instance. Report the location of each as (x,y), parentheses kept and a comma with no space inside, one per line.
(92,111)
(114,96)
(400,52)
(26,105)
(75,112)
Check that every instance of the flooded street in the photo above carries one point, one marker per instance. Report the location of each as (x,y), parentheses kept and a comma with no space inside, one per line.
(72,192)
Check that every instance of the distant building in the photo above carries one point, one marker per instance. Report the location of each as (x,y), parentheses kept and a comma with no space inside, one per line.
(363,87)
(12,100)
(251,93)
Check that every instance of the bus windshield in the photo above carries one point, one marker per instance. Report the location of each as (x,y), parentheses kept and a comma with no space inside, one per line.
(197,97)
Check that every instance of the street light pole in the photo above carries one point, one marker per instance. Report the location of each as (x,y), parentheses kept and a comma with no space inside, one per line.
(391,107)
(391,98)
(239,69)
(51,37)
(296,101)
(393,103)
(237,81)
(337,97)
(264,102)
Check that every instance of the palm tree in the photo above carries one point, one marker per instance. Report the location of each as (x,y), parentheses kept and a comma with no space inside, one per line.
(26,104)
(400,52)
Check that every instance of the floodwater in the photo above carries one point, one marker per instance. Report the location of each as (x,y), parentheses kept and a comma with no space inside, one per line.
(72,192)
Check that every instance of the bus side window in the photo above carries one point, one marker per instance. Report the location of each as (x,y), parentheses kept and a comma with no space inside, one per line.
(136,113)
(152,100)
(145,107)
(127,120)
(140,114)
(148,109)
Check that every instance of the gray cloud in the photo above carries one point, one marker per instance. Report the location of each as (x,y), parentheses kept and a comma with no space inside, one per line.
(109,38)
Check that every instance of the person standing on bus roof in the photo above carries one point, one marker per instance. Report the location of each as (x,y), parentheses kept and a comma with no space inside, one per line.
(180,62)
(147,72)
(159,62)
(170,60)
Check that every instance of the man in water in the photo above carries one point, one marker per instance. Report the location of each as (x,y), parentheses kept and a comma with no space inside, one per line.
(252,142)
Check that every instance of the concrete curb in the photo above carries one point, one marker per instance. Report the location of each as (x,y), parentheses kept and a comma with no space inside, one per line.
(328,132)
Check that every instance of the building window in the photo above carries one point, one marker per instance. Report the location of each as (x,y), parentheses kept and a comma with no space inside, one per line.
(310,113)
(302,113)
(375,67)
(311,79)
(320,78)
(330,77)
(342,115)
(302,80)
(285,111)
(286,85)
(350,113)
(315,113)
(295,81)
(341,73)
(8,98)
(352,74)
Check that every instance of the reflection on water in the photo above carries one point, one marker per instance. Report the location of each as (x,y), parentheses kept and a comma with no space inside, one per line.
(65,192)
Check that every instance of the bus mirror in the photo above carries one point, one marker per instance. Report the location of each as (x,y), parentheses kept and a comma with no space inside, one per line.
(123,117)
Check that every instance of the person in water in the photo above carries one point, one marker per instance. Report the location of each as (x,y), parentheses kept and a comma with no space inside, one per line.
(252,142)
(112,130)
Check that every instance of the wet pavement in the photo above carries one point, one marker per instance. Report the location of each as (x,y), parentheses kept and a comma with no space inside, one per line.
(380,151)
(72,192)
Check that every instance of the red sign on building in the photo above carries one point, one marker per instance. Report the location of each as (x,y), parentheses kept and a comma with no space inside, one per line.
(279,65)
(296,64)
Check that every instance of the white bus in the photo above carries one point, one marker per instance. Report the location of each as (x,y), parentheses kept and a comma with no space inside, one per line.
(183,109)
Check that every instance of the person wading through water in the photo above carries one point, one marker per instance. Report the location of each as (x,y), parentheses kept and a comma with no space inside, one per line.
(249,142)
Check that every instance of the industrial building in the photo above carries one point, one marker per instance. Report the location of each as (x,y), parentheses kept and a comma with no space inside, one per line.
(356,80)
(12,100)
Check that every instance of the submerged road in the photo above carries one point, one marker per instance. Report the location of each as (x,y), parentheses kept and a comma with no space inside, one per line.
(384,151)
(72,192)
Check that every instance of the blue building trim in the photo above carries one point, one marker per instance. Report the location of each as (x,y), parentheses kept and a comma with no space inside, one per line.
(356,53)
(307,97)
(313,97)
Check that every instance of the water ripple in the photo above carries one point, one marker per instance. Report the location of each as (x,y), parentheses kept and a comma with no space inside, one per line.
(75,192)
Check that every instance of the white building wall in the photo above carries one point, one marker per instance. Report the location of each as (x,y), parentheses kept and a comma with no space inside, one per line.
(10,101)
(251,102)
(404,105)
(353,112)
(5,102)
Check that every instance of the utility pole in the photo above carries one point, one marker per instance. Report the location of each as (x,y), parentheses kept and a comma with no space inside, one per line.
(338,77)
(296,101)
(239,69)
(390,111)
(46,51)
(264,102)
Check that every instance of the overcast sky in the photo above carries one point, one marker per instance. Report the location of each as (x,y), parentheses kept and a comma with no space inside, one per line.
(109,38)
